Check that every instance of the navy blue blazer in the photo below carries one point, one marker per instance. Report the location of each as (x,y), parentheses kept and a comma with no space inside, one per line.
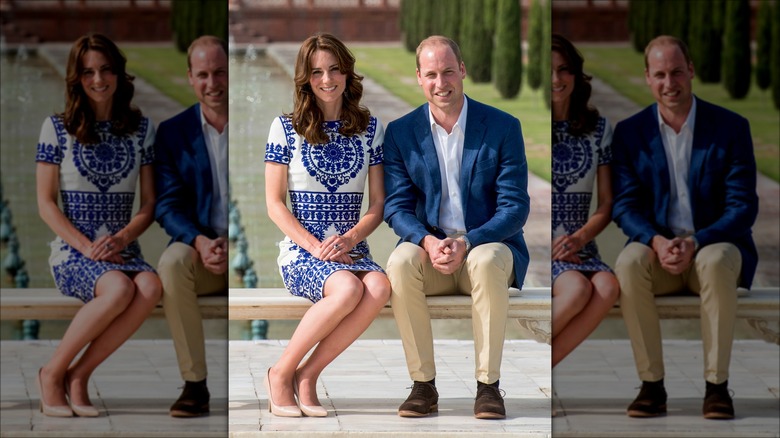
(721,181)
(493,180)
(183,181)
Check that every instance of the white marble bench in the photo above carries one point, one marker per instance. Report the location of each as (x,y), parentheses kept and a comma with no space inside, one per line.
(530,307)
(760,307)
(50,304)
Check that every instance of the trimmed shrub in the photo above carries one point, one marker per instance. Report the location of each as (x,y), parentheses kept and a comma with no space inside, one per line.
(476,41)
(535,37)
(508,52)
(764,45)
(736,51)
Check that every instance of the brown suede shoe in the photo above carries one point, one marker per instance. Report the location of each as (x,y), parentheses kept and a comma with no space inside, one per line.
(489,403)
(193,401)
(651,401)
(423,401)
(717,402)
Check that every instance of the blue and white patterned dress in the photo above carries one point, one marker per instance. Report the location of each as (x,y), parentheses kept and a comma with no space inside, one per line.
(326,185)
(575,161)
(97,186)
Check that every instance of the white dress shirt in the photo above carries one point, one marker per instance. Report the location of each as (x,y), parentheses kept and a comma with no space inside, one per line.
(217,146)
(677,147)
(449,150)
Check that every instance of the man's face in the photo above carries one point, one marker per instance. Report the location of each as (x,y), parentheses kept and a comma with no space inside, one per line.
(208,76)
(441,77)
(669,77)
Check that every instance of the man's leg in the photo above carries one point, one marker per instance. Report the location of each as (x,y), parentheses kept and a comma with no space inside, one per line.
(412,277)
(184,278)
(641,277)
(486,275)
(715,277)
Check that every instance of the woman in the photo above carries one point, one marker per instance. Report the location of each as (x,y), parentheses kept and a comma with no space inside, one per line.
(584,288)
(321,154)
(92,155)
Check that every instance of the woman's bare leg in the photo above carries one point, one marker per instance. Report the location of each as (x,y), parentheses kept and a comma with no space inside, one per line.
(605,292)
(571,292)
(342,293)
(116,291)
(148,290)
(375,296)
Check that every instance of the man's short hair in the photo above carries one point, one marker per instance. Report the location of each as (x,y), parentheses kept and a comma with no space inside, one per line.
(665,40)
(205,40)
(435,40)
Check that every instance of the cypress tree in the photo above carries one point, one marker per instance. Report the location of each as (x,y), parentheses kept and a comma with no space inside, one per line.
(508,52)
(775,57)
(451,25)
(546,52)
(635,23)
(706,36)
(406,23)
(191,19)
(736,50)
(763,45)
(534,37)
(476,41)
(424,18)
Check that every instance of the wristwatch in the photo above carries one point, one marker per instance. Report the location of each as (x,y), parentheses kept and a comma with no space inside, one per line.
(467,243)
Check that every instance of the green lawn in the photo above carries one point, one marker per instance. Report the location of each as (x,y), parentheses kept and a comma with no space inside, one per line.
(623,69)
(394,68)
(163,67)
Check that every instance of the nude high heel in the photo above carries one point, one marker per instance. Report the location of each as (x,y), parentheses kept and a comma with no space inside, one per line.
(51,411)
(80,410)
(309,411)
(279,411)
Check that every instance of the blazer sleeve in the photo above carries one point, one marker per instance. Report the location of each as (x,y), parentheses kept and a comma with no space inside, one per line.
(401,194)
(511,190)
(172,210)
(735,160)
(632,205)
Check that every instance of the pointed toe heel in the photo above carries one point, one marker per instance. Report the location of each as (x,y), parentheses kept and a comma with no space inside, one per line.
(51,411)
(309,411)
(279,411)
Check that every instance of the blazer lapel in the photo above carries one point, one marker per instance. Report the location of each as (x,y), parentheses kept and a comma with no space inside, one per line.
(424,137)
(475,133)
(203,164)
(702,139)
(660,166)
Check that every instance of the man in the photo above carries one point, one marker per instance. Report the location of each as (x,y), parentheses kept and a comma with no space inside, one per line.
(456,181)
(192,199)
(685,195)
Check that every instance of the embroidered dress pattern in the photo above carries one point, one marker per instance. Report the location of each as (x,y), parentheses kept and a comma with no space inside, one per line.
(575,161)
(97,187)
(326,184)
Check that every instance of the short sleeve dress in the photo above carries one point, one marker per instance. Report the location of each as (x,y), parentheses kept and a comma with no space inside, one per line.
(326,183)
(97,187)
(575,160)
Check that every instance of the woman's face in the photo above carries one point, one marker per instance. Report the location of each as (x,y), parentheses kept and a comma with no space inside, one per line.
(327,82)
(98,80)
(562,79)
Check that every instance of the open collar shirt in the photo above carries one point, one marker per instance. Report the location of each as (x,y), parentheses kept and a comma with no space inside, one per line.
(677,147)
(449,150)
(217,146)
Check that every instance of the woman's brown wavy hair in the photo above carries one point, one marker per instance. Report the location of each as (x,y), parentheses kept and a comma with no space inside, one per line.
(78,116)
(307,118)
(583,117)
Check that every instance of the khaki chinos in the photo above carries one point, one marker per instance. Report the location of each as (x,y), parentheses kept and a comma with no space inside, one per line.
(184,278)
(713,275)
(486,275)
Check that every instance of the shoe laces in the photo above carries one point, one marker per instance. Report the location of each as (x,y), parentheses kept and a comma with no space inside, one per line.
(421,389)
(491,392)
